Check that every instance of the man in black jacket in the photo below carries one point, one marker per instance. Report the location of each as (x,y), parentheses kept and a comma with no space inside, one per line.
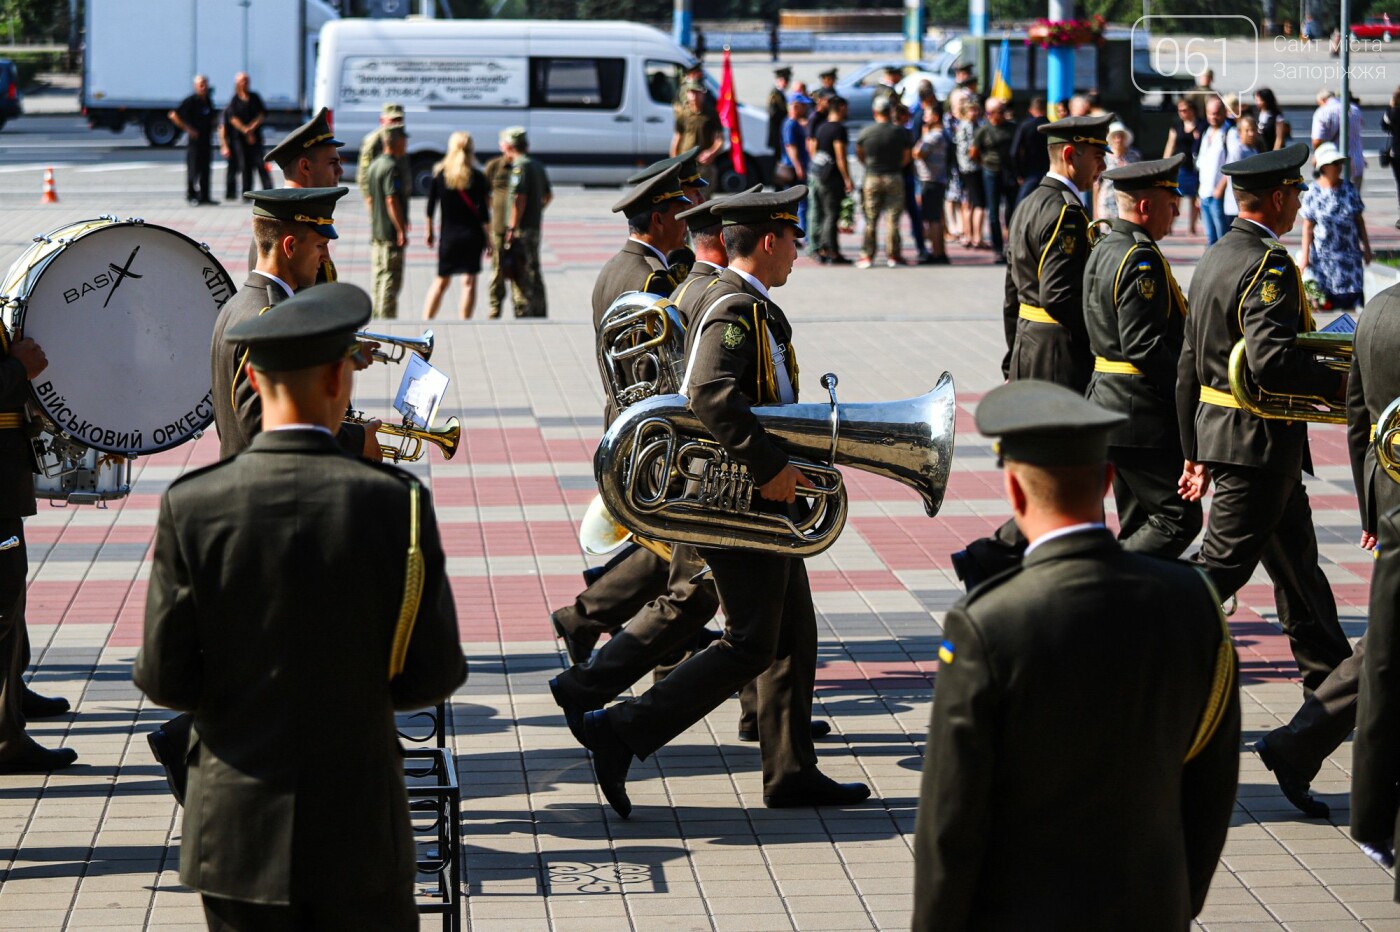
(311,671)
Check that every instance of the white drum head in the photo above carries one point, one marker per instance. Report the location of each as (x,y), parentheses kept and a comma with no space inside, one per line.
(125,314)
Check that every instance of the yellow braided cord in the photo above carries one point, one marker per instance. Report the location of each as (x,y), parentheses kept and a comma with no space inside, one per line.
(412,590)
(1225,661)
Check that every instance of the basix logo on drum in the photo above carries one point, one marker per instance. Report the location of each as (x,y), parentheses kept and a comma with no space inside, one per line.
(110,279)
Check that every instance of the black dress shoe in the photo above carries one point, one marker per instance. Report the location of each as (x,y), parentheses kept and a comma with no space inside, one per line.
(573,713)
(820,729)
(579,645)
(34,705)
(1294,787)
(817,789)
(40,760)
(171,758)
(611,760)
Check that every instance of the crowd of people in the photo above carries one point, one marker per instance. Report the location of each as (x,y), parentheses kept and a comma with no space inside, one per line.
(1045,728)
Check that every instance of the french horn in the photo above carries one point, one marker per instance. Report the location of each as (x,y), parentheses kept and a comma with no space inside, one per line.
(662,475)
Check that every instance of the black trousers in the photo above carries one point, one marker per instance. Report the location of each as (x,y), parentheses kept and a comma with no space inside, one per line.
(1050,353)
(1264,517)
(831,193)
(197,162)
(620,593)
(1325,719)
(1153,518)
(231,180)
(660,635)
(771,635)
(14,643)
(390,911)
(250,159)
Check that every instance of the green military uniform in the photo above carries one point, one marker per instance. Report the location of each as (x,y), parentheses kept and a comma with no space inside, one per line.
(1375,771)
(777,109)
(698,130)
(662,633)
(1247,287)
(1043,311)
(630,584)
(741,355)
(1135,315)
(1104,754)
(19,752)
(268,840)
(237,408)
(497,172)
(1295,751)
(386,188)
(373,145)
(528,177)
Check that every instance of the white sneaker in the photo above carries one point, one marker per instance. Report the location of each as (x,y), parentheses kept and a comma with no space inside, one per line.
(891,264)
(864,262)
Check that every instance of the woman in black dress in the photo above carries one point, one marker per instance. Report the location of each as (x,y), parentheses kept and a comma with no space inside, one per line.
(460,188)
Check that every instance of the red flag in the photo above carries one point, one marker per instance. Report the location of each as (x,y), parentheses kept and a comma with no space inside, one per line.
(729,115)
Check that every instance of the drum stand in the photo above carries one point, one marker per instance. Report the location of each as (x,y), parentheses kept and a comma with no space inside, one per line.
(71,473)
(434,805)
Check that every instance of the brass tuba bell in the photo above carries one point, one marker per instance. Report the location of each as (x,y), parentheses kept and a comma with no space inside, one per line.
(663,477)
(1332,350)
(1386,436)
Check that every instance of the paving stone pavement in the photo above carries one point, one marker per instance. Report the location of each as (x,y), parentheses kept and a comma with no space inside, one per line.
(97,846)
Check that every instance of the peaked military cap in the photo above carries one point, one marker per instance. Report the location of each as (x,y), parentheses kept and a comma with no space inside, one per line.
(315,132)
(762,207)
(655,193)
(1084,129)
(1045,424)
(828,73)
(1141,176)
(1273,169)
(690,169)
(783,72)
(702,217)
(312,206)
(315,326)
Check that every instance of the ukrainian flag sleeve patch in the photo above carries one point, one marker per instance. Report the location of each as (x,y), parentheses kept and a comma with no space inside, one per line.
(946,652)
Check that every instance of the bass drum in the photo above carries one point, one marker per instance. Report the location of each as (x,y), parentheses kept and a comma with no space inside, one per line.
(124,311)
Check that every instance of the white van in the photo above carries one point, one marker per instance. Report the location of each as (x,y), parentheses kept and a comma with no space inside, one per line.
(595,97)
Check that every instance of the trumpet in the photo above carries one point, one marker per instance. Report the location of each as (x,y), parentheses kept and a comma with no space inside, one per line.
(1331,349)
(423,345)
(410,447)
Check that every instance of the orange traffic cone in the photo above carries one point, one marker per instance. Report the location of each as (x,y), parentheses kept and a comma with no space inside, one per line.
(50,195)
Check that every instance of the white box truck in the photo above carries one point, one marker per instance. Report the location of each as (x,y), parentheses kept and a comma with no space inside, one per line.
(140,57)
(596,97)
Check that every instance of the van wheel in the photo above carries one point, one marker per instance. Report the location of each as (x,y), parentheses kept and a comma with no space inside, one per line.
(731,182)
(421,168)
(160,131)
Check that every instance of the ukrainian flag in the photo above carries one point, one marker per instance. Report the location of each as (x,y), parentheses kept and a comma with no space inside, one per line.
(1001,80)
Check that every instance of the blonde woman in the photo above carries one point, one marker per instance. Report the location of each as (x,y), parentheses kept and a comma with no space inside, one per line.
(460,188)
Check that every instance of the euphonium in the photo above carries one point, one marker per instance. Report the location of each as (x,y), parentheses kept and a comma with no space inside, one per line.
(410,447)
(641,348)
(1386,435)
(1332,350)
(423,345)
(664,477)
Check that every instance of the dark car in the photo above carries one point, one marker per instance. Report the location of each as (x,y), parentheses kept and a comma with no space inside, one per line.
(9,91)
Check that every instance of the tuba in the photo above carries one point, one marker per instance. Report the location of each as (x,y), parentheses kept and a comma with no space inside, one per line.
(423,345)
(664,477)
(1386,436)
(1331,349)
